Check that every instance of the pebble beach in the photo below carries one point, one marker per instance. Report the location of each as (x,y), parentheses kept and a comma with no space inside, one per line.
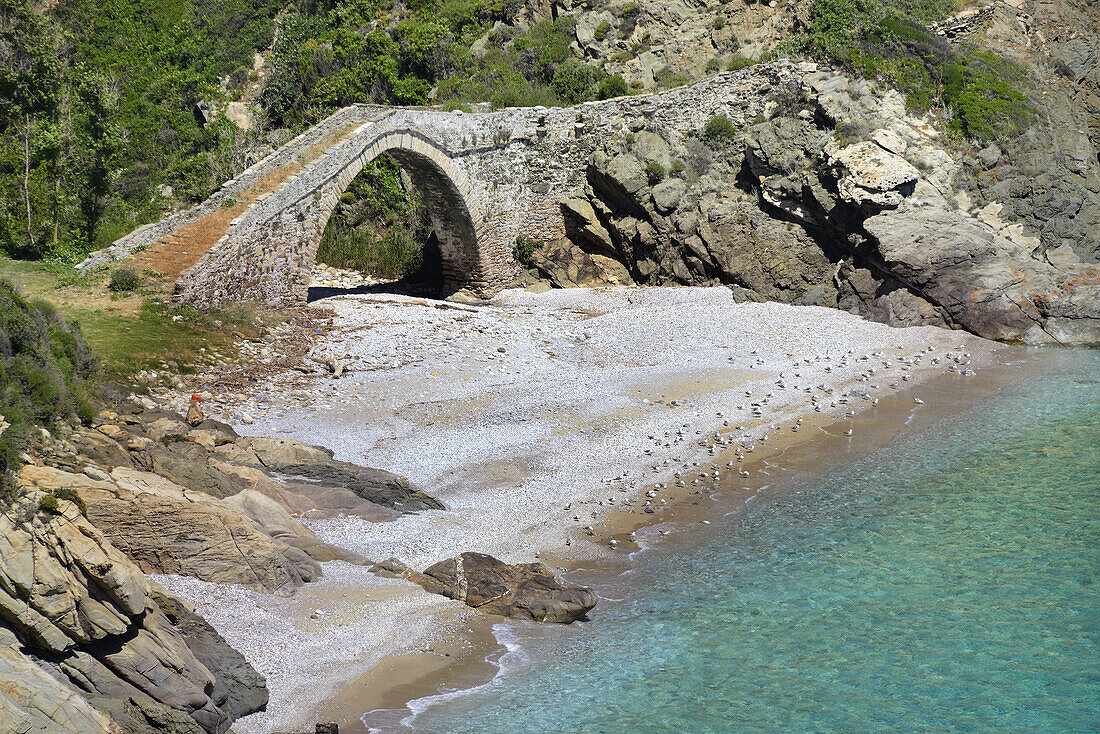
(534,418)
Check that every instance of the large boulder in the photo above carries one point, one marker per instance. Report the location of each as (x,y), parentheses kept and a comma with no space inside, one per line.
(167,529)
(987,283)
(569,266)
(523,590)
(870,176)
(294,459)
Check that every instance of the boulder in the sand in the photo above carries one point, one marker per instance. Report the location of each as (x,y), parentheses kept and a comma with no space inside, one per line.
(296,459)
(523,590)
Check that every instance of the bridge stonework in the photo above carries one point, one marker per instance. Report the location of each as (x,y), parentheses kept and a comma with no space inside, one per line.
(487,178)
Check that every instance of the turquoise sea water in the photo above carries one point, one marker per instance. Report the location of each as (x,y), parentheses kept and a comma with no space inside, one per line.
(949,582)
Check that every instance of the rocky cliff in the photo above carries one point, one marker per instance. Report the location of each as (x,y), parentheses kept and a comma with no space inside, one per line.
(839,197)
(80,611)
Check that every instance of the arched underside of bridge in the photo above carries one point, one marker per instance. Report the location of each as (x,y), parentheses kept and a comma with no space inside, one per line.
(446,193)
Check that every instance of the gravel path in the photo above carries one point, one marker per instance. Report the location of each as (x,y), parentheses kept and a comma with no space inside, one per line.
(526,415)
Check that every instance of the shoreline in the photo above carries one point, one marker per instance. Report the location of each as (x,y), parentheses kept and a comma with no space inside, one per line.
(582,401)
(803,454)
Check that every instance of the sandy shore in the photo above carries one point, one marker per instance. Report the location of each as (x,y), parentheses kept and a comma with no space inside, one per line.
(532,418)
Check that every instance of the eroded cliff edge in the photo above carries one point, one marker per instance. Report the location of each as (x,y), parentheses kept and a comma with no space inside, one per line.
(837,196)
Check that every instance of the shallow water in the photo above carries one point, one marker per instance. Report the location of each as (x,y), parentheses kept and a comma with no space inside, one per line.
(944,583)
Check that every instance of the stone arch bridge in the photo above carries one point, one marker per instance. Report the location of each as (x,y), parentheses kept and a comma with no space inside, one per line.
(487,178)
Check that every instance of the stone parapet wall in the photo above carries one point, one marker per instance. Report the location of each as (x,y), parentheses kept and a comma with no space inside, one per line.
(232,190)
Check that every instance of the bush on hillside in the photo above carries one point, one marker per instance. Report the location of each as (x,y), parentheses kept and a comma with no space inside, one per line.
(720,129)
(890,41)
(739,62)
(46,373)
(124,280)
(654,172)
(613,86)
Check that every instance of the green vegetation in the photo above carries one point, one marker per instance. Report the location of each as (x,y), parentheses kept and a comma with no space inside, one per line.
(613,86)
(124,280)
(602,30)
(655,172)
(719,129)
(524,250)
(45,374)
(97,110)
(379,228)
(105,106)
(739,62)
(129,333)
(889,40)
(71,495)
(49,501)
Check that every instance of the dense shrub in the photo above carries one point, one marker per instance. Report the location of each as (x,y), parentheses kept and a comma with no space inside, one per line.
(739,62)
(49,503)
(613,86)
(890,41)
(524,249)
(655,172)
(572,82)
(720,129)
(45,373)
(124,280)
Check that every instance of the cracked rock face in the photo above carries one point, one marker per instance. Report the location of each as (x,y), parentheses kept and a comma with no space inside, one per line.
(869,175)
(85,613)
(33,701)
(836,197)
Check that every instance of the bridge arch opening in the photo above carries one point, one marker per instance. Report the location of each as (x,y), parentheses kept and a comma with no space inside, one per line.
(437,218)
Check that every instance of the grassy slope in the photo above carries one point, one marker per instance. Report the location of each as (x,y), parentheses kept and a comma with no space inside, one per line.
(129,332)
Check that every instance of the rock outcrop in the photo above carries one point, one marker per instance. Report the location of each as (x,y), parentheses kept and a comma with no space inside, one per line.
(317,464)
(200,501)
(81,610)
(96,646)
(34,702)
(838,197)
(524,590)
(167,529)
